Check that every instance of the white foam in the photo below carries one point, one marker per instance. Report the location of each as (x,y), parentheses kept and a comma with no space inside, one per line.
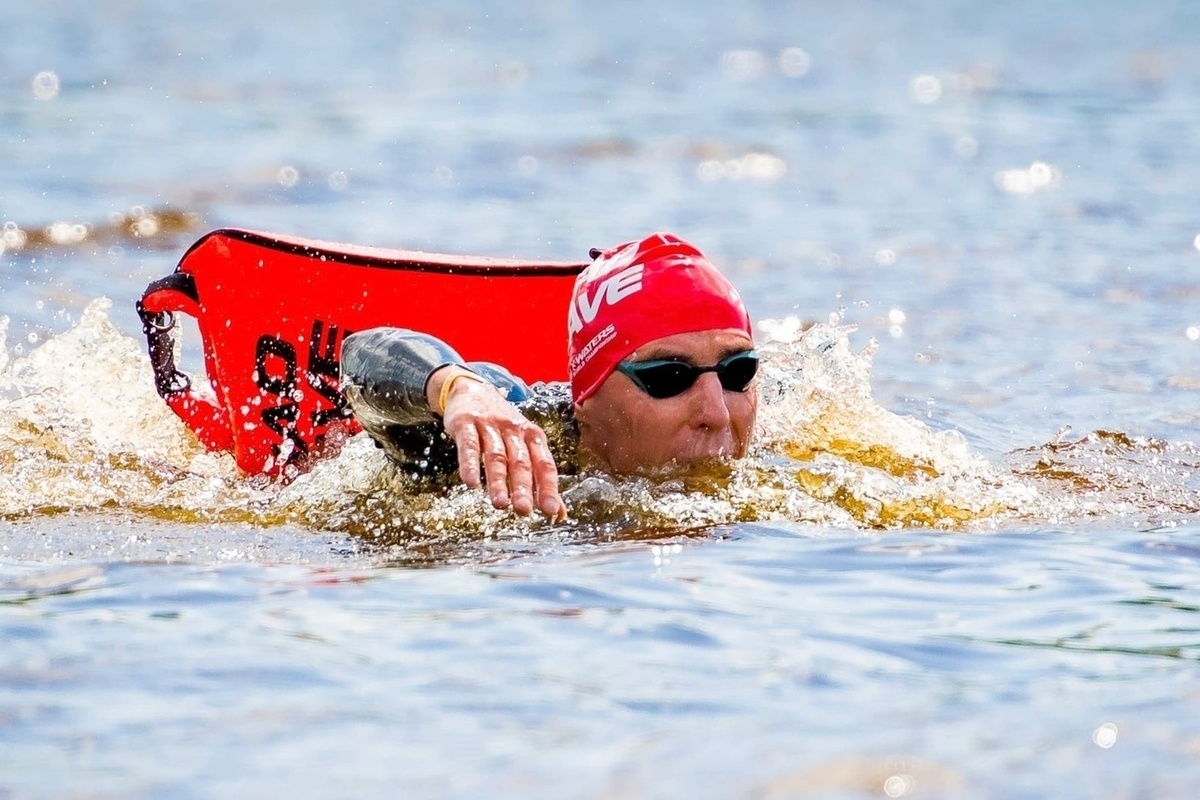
(81,427)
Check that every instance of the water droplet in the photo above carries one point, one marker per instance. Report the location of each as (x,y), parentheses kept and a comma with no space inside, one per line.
(144,227)
(899,785)
(710,171)
(1105,736)
(1039,175)
(46,85)
(527,166)
(66,233)
(514,73)
(925,89)
(752,166)
(743,64)
(795,62)
(288,176)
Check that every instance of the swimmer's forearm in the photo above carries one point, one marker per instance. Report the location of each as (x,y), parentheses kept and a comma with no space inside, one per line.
(386,371)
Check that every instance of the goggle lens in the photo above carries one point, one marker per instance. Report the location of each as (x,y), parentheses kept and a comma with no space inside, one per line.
(664,378)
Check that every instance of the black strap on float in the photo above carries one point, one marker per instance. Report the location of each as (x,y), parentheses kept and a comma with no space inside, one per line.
(158,327)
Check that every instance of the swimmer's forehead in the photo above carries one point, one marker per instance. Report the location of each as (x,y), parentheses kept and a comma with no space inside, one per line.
(696,347)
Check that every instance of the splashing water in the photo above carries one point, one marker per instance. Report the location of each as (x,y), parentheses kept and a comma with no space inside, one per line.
(1151,481)
(82,428)
(882,469)
(826,453)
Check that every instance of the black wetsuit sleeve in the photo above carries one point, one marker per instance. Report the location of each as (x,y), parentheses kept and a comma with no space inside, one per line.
(384,372)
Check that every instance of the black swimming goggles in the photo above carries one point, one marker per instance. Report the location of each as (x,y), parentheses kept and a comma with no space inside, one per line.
(665,378)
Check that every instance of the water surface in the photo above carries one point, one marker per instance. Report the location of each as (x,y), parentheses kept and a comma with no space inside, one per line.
(962,564)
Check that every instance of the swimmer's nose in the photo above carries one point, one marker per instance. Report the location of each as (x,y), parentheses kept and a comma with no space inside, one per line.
(708,403)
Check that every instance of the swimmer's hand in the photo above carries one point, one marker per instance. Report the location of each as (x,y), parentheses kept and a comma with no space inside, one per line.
(488,429)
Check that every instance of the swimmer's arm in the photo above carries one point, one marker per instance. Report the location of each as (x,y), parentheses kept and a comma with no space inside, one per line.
(395,377)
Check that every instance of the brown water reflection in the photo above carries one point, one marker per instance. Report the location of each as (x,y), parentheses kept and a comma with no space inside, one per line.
(153,227)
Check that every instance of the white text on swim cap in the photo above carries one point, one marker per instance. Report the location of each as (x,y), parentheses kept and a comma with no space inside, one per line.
(591,348)
(611,291)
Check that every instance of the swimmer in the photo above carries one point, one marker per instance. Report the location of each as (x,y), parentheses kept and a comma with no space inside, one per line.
(661,362)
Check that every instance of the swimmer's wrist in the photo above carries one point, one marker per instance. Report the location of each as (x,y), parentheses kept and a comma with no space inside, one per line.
(442,382)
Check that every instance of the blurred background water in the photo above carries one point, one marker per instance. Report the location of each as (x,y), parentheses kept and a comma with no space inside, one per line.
(1001,194)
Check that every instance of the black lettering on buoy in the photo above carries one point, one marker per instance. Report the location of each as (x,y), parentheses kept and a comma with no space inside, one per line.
(322,375)
(272,346)
(281,418)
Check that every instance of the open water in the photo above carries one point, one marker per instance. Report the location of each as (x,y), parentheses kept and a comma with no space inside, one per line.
(963,561)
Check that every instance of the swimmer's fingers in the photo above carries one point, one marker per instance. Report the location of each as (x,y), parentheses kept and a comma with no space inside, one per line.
(520,473)
(470,419)
(466,440)
(545,475)
(478,443)
(495,465)
(518,465)
(532,475)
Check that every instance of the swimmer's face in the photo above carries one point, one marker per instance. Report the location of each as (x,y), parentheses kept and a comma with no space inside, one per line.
(624,429)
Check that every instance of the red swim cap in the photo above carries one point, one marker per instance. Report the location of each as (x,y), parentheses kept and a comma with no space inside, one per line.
(638,292)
